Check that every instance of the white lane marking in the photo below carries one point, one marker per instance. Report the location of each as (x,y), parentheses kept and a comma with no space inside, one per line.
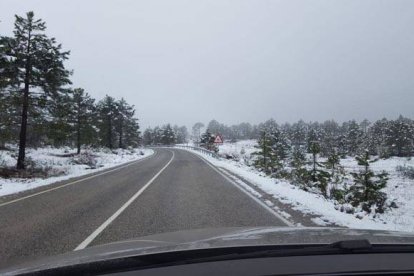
(95,233)
(77,181)
(261,203)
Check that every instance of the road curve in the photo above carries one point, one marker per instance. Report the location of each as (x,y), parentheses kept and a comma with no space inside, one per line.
(171,191)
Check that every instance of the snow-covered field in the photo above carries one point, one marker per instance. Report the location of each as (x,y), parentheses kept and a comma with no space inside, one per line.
(64,167)
(399,189)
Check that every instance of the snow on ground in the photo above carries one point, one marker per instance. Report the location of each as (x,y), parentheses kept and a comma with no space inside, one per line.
(64,166)
(399,189)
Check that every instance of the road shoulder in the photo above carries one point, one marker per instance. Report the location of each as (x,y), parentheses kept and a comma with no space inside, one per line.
(10,198)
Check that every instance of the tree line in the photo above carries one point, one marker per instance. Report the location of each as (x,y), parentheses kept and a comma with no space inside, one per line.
(384,138)
(37,105)
(165,135)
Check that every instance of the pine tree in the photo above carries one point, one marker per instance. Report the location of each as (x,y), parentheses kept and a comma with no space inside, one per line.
(378,138)
(400,136)
(168,136)
(337,175)
(157,134)
(59,122)
(9,114)
(299,173)
(329,137)
(313,136)
(267,159)
(353,137)
(148,137)
(367,186)
(281,145)
(124,123)
(333,161)
(83,108)
(33,62)
(107,109)
(132,134)
(298,134)
(314,148)
(365,125)
(318,175)
(207,141)
(9,103)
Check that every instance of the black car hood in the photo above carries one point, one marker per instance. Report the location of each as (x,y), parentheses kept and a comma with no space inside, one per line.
(211,238)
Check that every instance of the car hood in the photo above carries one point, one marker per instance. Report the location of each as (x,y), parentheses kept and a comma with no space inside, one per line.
(211,238)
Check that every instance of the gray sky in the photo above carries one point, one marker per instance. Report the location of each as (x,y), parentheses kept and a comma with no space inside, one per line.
(234,61)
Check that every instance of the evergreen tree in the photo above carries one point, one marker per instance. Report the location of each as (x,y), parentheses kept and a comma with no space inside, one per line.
(132,134)
(329,138)
(400,137)
(367,186)
(107,109)
(168,136)
(9,114)
(314,148)
(125,124)
(267,158)
(299,173)
(353,137)
(312,137)
(318,175)
(157,134)
(365,126)
(281,145)
(9,102)
(378,138)
(298,134)
(83,109)
(207,141)
(60,123)
(33,62)
(148,137)
(333,161)
(337,174)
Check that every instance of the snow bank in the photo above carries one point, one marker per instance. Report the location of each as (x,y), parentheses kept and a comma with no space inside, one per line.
(398,189)
(53,159)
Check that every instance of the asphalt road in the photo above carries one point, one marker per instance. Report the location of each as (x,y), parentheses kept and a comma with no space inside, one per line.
(172,190)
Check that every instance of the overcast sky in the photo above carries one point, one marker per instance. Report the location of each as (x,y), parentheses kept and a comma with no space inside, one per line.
(234,61)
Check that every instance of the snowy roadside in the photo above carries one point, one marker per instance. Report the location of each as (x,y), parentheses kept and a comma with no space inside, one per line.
(65,167)
(400,219)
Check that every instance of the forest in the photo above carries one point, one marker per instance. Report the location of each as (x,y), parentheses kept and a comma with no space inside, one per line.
(39,106)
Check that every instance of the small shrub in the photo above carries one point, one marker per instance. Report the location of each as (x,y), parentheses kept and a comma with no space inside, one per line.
(347,208)
(301,177)
(85,158)
(29,163)
(405,171)
(337,194)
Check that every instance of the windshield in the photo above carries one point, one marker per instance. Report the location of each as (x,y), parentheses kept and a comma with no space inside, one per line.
(122,119)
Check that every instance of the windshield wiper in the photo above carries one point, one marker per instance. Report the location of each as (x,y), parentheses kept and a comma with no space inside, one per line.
(340,247)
